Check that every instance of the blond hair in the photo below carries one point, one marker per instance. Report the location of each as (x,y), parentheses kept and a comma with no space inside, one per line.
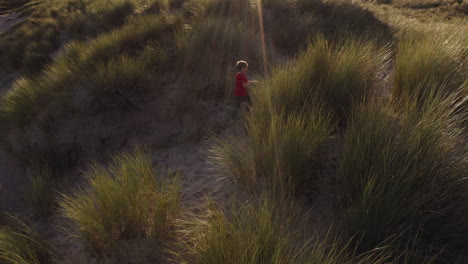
(241,64)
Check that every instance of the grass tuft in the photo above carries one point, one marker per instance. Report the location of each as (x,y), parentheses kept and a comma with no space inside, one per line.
(20,245)
(339,75)
(267,231)
(125,201)
(412,158)
(41,193)
(424,62)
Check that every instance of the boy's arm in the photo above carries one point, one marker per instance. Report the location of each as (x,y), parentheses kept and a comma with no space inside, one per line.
(249,83)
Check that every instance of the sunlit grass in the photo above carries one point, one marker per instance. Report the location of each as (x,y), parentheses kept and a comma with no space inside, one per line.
(421,3)
(269,230)
(274,152)
(337,74)
(20,245)
(127,200)
(246,234)
(423,62)
(402,177)
(293,113)
(412,159)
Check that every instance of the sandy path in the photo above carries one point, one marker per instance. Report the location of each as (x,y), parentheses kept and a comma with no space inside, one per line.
(199,179)
(7,21)
(12,181)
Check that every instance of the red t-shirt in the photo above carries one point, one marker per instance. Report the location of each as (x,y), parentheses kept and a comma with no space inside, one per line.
(241,80)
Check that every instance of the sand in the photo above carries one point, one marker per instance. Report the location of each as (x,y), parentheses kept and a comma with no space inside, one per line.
(7,21)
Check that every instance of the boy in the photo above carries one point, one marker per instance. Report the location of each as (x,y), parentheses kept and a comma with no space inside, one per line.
(241,93)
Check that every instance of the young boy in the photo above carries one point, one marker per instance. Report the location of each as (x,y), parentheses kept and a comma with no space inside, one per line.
(241,93)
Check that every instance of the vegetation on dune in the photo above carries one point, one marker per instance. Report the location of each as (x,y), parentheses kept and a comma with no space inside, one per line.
(406,151)
(125,201)
(296,21)
(277,153)
(204,45)
(294,111)
(41,191)
(113,72)
(413,161)
(269,230)
(423,62)
(428,4)
(49,23)
(400,187)
(246,234)
(87,66)
(412,152)
(116,71)
(220,8)
(337,74)
(20,245)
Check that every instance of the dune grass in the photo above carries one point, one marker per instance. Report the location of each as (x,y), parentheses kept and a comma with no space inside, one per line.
(421,4)
(402,176)
(41,191)
(87,66)
(20,245)
(246,234)
(422,61)
(277,153)
(294,111)
(49,23)
(241,10)
(338,74)
(294,22)
(125,201)
(413,158)
(270,231)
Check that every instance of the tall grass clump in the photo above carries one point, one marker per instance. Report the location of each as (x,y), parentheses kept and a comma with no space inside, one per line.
(263,232)
(247,234)
(293,113)
(404,174)
(20,245)
(422,60)
(340,75)
(125,201)
(279,152)
(119,82)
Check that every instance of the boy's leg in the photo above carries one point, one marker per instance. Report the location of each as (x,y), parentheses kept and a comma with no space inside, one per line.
(236,105)
(246,103)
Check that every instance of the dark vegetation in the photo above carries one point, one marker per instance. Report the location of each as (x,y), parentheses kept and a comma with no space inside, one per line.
(294,22)
(49,23)
(382,106)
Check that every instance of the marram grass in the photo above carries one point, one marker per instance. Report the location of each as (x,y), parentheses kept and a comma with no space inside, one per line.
(124,201)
